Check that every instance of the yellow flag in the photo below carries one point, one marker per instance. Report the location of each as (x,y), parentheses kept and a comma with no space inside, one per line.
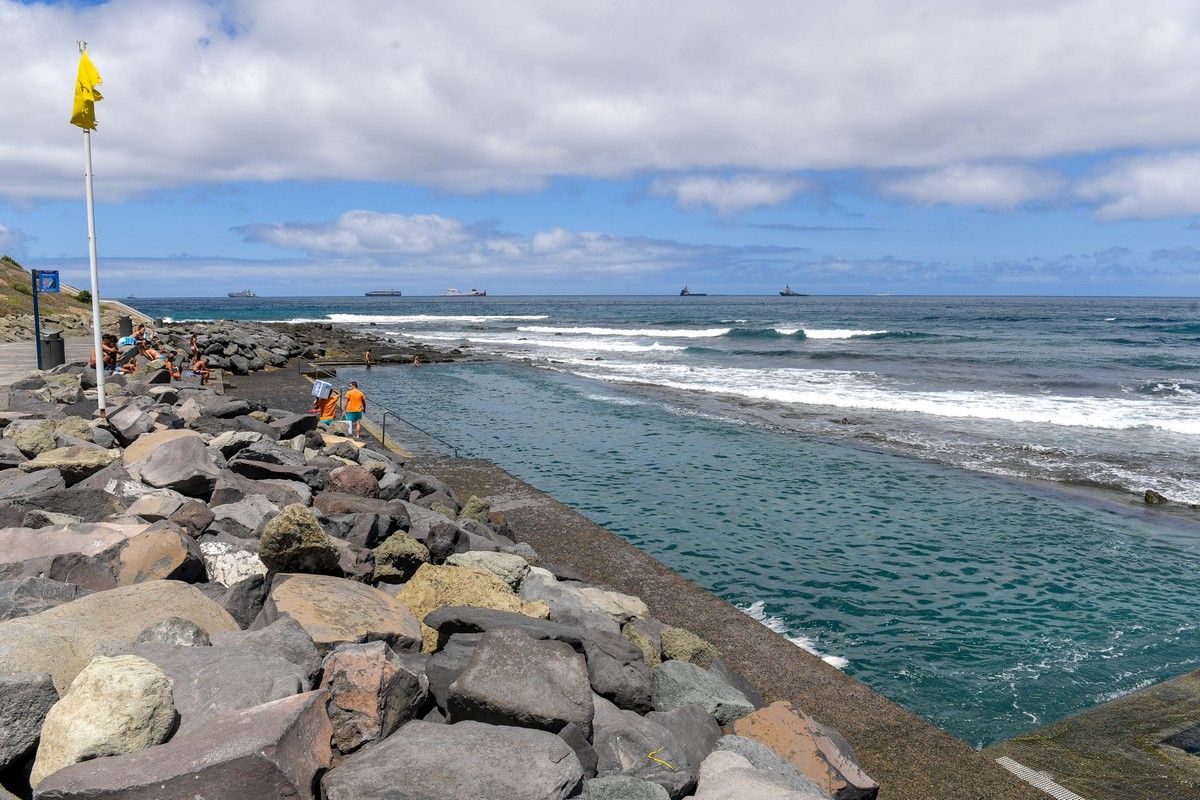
(84,112)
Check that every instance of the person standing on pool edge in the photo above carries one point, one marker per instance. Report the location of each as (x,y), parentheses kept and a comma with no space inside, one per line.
(356,406)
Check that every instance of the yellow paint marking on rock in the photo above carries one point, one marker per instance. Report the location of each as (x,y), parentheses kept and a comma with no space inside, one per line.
(652,757)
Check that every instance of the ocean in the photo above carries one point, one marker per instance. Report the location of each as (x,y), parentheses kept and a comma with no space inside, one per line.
(940,496)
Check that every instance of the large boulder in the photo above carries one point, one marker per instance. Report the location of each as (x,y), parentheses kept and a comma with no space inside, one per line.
(270,752)
(334,610)
(693,728)
(622,740)
(184,465)
(617,671)
(293,541)
(514,679)
(17,485)
(32,439)
(212,680)
(398,558)
(73,463)
(62,640)
(140,451)
(20,597)
(623,787)
(244,517)
(229,564)
(818,752)
(765,759)
(353,479)
(467,760)
(61,550)
(115,705)
(25,698)
(680,644)
(128,423)
(676,683)
(371,693)
(566,601)
(433,587)
(725,775)
(284,637)
(508,567)
(444,666)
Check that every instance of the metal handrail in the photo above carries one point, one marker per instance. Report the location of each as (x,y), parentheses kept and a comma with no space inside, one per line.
(324,371)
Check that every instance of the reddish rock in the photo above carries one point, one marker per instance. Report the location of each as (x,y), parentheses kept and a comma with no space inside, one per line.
(353,479)
(818,752)
(274,750)
(370,694)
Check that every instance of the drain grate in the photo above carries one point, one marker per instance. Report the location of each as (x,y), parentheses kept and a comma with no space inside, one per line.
(1038,780)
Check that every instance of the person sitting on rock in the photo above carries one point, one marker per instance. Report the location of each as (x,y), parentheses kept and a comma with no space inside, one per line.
(171,367)
(108,346)
(200,367)
(327,407)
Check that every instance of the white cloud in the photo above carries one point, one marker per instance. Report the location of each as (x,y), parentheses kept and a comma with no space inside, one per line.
(434,243)
(476,96)
(12,240)
(987,186)
(1146,187)
(727,195)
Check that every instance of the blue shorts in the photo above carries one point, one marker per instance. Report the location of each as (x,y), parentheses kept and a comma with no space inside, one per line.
(353,416)
(327,422)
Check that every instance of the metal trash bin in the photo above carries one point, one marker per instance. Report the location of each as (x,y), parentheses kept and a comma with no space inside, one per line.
(125,325)
(54,350)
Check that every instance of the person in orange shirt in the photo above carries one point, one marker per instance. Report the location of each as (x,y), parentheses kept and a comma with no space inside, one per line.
(356,406)
(327,408)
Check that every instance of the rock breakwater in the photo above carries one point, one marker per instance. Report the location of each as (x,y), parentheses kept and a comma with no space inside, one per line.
(206,597)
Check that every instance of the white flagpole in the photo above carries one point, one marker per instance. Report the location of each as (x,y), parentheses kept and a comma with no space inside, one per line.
(91,218)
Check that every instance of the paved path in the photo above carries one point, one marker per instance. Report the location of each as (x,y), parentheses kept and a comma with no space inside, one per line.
(19,358)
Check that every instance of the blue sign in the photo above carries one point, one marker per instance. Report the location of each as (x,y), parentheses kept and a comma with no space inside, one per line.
(48,281)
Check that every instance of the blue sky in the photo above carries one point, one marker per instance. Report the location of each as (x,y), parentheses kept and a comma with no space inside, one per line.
(927,147)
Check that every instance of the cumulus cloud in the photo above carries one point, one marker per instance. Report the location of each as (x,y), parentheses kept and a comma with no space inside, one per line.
(479,96)
(1146,187)
(987,186)
(727,195)
(432,242)
(12,240)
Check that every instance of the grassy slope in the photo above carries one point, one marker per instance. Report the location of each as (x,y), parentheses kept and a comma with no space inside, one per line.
(15,295)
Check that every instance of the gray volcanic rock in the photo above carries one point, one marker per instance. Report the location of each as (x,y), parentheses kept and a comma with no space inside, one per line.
(244,599)
(676,683)
(72,463)
(444,666)
(371,693)
(695,731)
(398,558)
(184,465)
(567,602)
(231,487)
(623,738)
(623,787)
(128,423)
(10,455)
(20,597)
(467,760)
(175,631)
(270,752)
(284,637)
(449,620)
(17,485)
(244,517)
(513,678)
(765,759)
(212,680)
(722,670)
(155,507)
(726,774)
(291,425)
(509,568)
(25,699)
(617,671)
(445,539)
(193,517)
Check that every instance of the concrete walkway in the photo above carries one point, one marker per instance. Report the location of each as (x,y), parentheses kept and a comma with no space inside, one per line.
(19,358)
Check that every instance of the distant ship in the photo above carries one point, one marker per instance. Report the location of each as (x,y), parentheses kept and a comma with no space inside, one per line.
(456,293)
(385,293)
(685,292)
(788,291)
(243,293)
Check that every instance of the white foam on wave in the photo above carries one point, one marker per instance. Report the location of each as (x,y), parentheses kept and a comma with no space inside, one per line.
(616,401)
(666,333)
(866,391)
(828,333)
(556,342)
(758,611)
(421,319)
